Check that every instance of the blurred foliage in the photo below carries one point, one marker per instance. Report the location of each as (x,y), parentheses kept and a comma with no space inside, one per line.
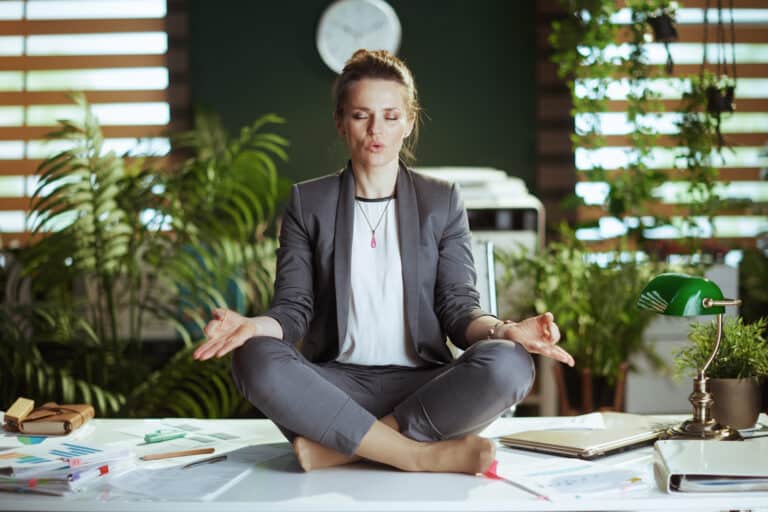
(119,241)
(753,285)
(594,304)
(582,44)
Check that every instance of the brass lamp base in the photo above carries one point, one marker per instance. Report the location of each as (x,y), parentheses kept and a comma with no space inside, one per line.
(711,430)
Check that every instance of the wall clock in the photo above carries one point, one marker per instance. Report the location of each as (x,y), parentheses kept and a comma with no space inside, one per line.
(348,25)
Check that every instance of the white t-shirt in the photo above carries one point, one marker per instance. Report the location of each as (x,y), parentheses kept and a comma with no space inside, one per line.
(376,330)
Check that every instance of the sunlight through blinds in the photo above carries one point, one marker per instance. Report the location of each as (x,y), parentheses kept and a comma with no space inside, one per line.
(743,174)
(116,52)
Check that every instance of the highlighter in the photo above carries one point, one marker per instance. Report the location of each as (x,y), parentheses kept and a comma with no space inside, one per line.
(160,436)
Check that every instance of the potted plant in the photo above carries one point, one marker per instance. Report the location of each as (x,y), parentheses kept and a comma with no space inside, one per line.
(594,306)
(75,301)
(736,371)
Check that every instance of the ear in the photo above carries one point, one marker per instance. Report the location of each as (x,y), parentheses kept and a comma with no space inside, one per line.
(339,125)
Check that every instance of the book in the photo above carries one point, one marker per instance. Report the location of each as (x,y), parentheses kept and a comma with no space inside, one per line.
(54,419)
(711,466)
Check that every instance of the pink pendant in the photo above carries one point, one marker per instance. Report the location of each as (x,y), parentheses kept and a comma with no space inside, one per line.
(373,240)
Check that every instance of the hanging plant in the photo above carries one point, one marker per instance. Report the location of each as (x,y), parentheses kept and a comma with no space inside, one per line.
(721,91)
(582,44)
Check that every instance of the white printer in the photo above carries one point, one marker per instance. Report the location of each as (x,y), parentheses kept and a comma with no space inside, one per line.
(499,207)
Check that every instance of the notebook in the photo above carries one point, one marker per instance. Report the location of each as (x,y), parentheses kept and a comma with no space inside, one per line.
(622,431)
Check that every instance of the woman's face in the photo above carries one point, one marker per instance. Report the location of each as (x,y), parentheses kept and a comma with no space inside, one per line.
(375,122)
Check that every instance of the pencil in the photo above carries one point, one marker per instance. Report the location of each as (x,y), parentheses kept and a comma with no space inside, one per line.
(182,453)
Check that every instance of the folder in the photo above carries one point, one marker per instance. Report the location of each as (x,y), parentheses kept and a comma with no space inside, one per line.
(711,466)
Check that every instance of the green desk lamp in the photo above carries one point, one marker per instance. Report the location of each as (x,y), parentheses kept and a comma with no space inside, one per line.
(683,295)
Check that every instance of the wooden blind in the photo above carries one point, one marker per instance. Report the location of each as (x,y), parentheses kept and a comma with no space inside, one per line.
(746,132)
(742,175)
(127,56)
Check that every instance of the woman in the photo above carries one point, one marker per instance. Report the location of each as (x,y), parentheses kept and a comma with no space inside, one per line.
(374,269)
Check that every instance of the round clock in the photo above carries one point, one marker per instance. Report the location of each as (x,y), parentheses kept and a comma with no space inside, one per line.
(348,25)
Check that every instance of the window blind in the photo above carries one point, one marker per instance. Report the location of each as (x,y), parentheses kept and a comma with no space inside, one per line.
(742,174)
(124,55)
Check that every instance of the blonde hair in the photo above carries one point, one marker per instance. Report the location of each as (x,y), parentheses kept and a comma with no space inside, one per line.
(382,65)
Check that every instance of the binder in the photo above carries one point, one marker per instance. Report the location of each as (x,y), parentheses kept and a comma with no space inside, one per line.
(711,466)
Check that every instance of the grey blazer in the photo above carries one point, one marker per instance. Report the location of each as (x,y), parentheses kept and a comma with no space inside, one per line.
(311,300)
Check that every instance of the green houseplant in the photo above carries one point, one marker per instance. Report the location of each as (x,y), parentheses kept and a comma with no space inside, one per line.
(736,372)
(76,300)
(593,304)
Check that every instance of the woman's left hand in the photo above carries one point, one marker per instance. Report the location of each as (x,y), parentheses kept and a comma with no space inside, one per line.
(538,335)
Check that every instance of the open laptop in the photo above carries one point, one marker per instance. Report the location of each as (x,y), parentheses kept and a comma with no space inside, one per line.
(622,431)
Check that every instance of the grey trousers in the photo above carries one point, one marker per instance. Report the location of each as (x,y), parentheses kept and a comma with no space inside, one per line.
(336,404)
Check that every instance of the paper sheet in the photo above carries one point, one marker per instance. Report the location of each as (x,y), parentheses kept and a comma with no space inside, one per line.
(560,478)
(204,482)
(30,460)
(198,435)
(11,440)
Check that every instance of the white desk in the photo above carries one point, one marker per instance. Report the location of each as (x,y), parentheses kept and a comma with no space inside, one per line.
(279,485)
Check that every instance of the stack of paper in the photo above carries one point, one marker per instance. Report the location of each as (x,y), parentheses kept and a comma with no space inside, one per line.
(61,468)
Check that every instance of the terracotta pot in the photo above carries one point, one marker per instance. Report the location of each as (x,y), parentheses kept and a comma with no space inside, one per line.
(737,401)
(581,392)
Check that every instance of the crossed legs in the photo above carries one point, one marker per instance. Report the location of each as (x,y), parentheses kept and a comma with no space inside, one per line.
(432,429)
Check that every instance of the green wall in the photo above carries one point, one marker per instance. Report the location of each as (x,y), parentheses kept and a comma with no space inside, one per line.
(473,61)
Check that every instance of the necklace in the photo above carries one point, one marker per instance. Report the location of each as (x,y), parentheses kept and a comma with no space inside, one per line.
(367,221)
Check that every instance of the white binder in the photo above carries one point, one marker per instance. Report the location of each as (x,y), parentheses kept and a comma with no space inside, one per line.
(711,466)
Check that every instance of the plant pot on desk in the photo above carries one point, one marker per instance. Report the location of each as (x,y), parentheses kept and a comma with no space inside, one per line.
(737,401)
(580,391)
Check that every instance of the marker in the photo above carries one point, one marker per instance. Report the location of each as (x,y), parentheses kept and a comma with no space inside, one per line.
(160,436)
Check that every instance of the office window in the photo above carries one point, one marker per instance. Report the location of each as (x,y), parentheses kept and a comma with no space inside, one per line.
(744,171)
(125,56)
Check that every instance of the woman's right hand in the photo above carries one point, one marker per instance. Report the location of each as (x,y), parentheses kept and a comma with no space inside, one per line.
(225,332)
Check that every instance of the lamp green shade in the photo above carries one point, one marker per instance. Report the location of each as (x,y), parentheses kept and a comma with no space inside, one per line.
(680,295)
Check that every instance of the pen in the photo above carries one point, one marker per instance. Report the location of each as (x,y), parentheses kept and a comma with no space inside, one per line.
(522,488)
(182,453)
(210,460)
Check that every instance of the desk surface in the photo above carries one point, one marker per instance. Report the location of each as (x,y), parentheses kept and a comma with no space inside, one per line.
(278,484)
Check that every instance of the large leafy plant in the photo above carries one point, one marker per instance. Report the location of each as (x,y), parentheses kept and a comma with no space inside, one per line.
(121,240)
(593,303)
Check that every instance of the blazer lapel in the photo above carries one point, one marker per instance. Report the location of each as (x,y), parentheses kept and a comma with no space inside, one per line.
(342,248)
(408,227)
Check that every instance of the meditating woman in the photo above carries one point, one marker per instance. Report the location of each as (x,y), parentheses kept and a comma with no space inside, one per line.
(374,269)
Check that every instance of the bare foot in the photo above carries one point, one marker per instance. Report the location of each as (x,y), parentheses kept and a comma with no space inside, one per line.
(471,454)
(313,455)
